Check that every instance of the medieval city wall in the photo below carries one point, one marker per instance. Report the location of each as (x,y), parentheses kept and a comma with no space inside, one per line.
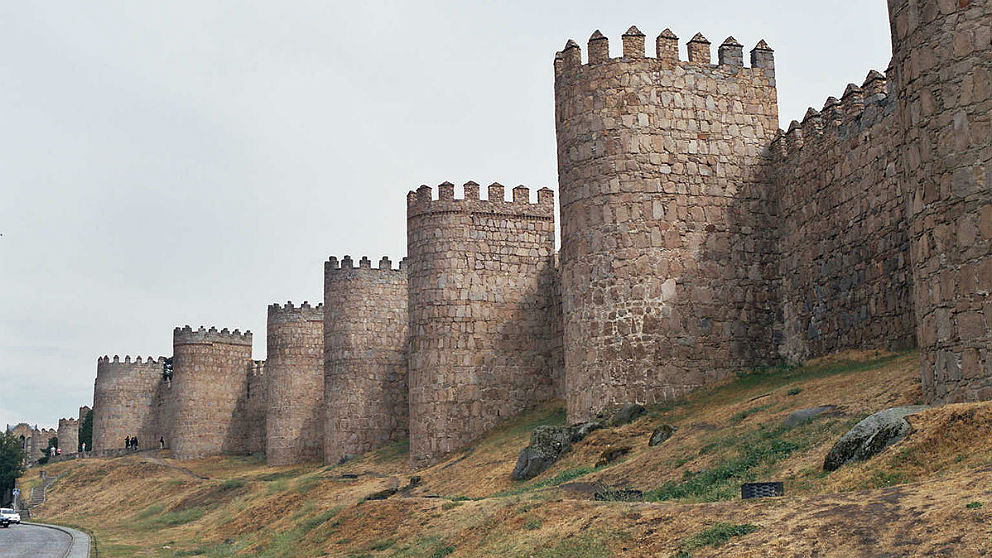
(667,256)
(294,373)
(125,400)
(249,422)
(479,274)
(942,62)
(68,433)
(210,380)
(365,342)
(844,261)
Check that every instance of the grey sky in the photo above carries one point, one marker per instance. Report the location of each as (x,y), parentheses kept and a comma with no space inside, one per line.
(190,162)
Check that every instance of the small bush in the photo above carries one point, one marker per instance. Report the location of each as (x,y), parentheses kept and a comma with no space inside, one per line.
(973,505)
(795,391)
(738,417)
(231,484)
(716,535)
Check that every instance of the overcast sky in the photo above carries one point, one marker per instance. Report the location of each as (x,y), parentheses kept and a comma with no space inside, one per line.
(191,162)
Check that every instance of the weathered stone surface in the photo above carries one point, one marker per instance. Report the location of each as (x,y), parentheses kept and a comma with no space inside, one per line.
(547,444)
(627,414)
(871,436)
(128,397)
(661,434)
(796,418)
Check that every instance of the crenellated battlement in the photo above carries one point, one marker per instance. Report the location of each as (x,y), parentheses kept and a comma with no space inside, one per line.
(127,360)
(346,263)
(730,53)
(858,109)
(423,202)
(187,335)
(291,313)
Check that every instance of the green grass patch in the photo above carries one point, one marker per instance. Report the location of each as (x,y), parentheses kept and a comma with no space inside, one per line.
(973,505)
(589,544)
(739,417)
(231,484)
(794,391)
(434,546)
(532,524)
(286,543)
(276,486)
(756,449)
(715,536)
(379,546)
(306,484)
(165,520)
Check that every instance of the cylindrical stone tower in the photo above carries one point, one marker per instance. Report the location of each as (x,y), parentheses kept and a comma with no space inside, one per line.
(124,399)
(480,278)
(68,434)
(210,378)
(365,342)
(942,61)
(294,373)
(667,255)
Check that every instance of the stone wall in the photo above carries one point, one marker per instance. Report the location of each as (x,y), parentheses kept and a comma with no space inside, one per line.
(210,381)
(68,434)
(668,253)
(294,372)
(844,257)
(126,398)
(365,341)
(480,275)
(942,61)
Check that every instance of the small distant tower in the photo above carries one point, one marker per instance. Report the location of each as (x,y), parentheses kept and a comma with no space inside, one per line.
(480,278)
(666,250)
(68,434)
(294,371)
(365,341)
(210,379)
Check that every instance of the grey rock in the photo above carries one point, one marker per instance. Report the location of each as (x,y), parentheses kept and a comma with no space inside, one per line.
(661,434)
(870,436)
(547,444)
(583,429)
(796,418)
(627,414)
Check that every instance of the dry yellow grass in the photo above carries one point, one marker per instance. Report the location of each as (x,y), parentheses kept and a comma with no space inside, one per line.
(913,499)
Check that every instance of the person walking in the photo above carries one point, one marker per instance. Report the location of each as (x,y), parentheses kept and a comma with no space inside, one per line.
(127,442)
(161,442)
(134,443)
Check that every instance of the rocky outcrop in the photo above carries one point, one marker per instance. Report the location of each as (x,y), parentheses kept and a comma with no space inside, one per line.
(870,436)
(547,443)
(661,434)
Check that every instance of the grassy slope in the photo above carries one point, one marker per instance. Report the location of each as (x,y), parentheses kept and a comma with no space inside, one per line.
(911,500)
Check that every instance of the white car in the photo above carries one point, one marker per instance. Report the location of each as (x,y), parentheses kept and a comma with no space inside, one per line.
(10,515)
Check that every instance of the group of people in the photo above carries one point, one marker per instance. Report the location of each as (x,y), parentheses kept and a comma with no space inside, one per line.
(131,442)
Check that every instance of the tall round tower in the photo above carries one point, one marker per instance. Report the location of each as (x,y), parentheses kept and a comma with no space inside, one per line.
(480,276)
(125,400)
(667,255)
(210,379)
(942,61)
(365,342)
(294,374)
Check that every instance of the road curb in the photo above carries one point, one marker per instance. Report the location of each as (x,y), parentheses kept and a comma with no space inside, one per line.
(79,542)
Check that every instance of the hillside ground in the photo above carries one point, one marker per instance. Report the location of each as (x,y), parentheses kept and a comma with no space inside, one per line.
(928,495)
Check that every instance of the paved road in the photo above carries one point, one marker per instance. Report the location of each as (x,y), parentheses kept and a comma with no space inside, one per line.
(35,541)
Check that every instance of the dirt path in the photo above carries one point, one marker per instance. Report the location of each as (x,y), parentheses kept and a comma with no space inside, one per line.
(157,461)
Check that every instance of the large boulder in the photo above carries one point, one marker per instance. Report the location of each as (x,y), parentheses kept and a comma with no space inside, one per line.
(547,444)
(796,418)
(661,434)
(870,436)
